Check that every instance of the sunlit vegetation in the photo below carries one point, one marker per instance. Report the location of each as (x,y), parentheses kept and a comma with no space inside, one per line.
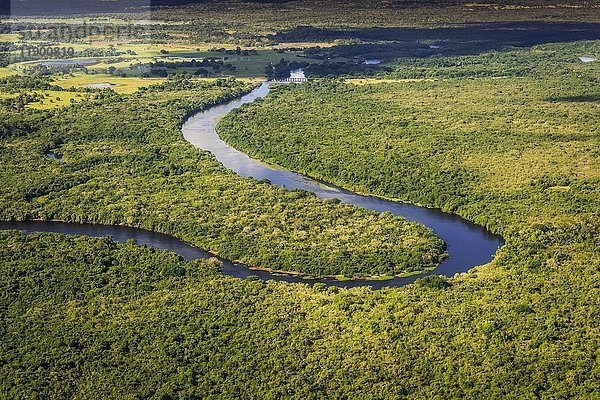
(514,149)
(508,138)
(124,161)
(87,318)
(19,92)
(554,59)
(4,72)
(492,149)
(118,84)
(51,98)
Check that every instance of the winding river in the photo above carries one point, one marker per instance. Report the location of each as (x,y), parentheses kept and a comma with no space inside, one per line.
(468,245)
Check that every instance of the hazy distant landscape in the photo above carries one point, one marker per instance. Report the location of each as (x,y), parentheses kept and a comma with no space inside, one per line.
(300,199)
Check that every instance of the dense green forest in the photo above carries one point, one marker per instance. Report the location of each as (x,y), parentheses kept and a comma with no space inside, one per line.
(504,150)
(124,161)
(504,136)
(515,149)
(86,318)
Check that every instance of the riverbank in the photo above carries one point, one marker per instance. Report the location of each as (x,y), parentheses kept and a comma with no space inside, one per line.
(467,245)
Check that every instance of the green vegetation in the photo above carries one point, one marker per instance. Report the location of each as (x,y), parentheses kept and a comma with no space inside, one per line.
(494,149)
(18,92)
(556,60)
(505,137)
(120,84)
(124,161)
(246,37)
(505,140)
(87,318)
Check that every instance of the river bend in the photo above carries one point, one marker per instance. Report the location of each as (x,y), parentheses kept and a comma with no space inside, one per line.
(468,244)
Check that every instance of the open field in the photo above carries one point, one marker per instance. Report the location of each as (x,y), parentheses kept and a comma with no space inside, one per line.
(54,98)
(8,37)
(4,72)
(8,95)
(47,99)
(124,85)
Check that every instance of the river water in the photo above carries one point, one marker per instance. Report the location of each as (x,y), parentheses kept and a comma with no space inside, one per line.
(468,245)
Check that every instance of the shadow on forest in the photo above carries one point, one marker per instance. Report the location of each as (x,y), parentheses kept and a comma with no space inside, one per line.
(463,39)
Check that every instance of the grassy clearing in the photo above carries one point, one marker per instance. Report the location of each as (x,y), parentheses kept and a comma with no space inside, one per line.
(6,71)
(8,37)
(125,85)
(8,95)
(55,98)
